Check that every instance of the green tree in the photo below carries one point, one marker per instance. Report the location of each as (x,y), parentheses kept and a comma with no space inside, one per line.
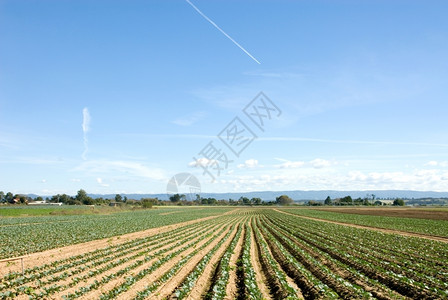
(66,199)
(398,202)
(147,202)
(347,200)
(256,201)
(198,199)
(82,198)
(152,201)
(328,201)
(118,198)
(9,197)
(284,200)
(2,197)
(81,195)
(244,200)
(175,198)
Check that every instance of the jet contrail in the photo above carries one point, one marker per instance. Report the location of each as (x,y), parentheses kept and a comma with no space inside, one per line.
(222,31)
(85,129)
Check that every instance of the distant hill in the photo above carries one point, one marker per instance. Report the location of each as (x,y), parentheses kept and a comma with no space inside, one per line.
(300,195)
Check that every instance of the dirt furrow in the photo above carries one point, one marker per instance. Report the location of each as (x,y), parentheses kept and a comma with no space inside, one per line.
(52,255)
(121,278)
(392,231)
(259,275)
(204,281)
(167,288)
(232,286)
(378,292)
(288,279)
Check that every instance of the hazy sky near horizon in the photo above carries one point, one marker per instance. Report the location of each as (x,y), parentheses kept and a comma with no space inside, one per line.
(119,96)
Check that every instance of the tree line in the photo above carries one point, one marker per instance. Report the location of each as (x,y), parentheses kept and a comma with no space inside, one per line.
(82,198)
(181,199)
(348,200)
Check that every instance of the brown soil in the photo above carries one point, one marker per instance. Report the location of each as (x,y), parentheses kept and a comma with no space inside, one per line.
(379,293)
(404,233)
(269,273)
(232,288)
(166,289)
(48,256)
(141,284)
(203,283)
(118,280)
(418,213)
(259,276)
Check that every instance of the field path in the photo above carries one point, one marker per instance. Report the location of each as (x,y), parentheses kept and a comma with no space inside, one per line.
(204,281)
(232,286)
(259,275)
(404,233)
(48,256)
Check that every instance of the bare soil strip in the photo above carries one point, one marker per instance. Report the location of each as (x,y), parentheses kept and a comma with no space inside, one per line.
(117,281)
(81,272)
(232,286)
(48,256)
(150,278)
(259,275)
(166,289)
(379,293)
(269,273)
(204,281)
(399,232)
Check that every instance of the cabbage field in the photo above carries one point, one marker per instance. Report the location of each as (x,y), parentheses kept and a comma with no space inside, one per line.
(219,253)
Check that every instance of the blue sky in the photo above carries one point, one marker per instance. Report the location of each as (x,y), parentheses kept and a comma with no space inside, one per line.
(119,96)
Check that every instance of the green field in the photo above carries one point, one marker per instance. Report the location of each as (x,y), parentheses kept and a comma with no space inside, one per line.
(424,226)
(24,211)
(238,253)
(20,235)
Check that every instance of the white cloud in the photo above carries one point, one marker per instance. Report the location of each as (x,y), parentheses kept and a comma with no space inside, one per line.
(130,168)
(291,164)
(85,129)
(309,178)
(201,162)
(319,163)
(249,164)
(190,119)
(434,163)
(100,181)
(431,163)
